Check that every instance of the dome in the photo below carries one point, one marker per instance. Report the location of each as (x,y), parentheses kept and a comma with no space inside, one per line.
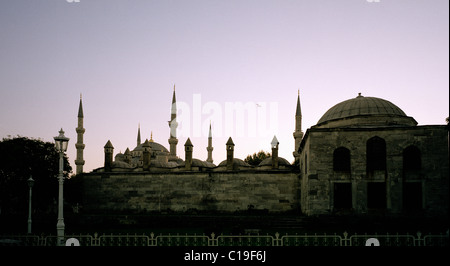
(200,163)
(268,161)
(163,164)
(236,161)
(365,111)
(119,157)
(156,147)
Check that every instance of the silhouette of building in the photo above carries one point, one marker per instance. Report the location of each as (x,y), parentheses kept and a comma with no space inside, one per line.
(365,155)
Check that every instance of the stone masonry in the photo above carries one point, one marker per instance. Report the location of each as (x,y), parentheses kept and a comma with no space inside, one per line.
(228,191)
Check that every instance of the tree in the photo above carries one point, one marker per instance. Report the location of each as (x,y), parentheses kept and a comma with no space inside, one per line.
(256,158)
(20,158)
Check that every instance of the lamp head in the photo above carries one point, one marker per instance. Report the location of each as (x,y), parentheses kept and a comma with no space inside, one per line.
(30,182)
(61,142)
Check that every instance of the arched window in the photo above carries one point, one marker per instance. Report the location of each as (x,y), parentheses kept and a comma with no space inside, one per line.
(341,159)
(376,154)
(306,163)
(412,186)
(412,160)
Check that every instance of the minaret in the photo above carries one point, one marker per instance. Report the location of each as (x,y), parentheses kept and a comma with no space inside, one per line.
(79,162)
(298,134)
(188,147)
(210,147)
(274,156)
(139,135)
(109,149)
(230,154)
(173,128)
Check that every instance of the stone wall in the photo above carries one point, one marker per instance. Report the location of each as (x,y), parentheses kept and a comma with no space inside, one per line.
(318,176)
(228,191)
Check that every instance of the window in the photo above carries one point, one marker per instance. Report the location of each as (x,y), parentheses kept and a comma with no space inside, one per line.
(376,195)
(412,185)
(341,159)
(412,196)
(376,154)
(306,163)
(342,196)
(411,159)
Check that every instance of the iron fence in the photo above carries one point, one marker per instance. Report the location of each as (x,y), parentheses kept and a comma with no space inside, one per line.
(344,239)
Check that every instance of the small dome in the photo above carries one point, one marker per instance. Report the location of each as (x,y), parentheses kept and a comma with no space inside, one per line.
(200,163)
(163,164)
(268,161)
(119,157)
(360,108)
(236,161)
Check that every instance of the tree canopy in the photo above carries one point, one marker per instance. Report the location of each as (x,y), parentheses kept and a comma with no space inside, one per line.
(256,158)
(20,159)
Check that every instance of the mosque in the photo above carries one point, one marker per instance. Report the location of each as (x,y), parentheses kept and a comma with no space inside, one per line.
(364,155)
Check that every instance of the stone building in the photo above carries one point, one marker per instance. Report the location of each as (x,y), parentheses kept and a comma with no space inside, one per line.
(365,155)
(150,177)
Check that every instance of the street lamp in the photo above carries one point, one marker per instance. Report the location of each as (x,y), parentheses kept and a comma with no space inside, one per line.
(61,143)
(30,182)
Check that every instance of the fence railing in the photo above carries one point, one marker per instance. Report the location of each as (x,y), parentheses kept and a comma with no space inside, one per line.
(394,240)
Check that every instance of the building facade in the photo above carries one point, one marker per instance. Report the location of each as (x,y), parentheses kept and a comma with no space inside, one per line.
(365,155)
(151,178)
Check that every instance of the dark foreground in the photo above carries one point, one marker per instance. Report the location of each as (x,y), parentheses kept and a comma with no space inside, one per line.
(276,252)
(232,224)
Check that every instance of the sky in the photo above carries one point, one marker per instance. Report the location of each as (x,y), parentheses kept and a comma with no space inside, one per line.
(235,64)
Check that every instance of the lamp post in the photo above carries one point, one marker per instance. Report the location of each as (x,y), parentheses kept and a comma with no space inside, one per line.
(61,143)
(30,182)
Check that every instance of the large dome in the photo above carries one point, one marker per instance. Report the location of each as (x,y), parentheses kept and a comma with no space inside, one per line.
(365,111)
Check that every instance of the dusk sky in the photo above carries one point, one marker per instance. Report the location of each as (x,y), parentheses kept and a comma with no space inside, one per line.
(234,63)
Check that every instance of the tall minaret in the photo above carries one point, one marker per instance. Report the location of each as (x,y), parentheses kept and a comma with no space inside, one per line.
(298,134)
(173,128)
(79,162)
(210,147)
(139,135)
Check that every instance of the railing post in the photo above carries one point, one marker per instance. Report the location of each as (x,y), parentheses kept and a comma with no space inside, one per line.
(152,240)
(419,240)
(212,242)
(277,242)
(344,240)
